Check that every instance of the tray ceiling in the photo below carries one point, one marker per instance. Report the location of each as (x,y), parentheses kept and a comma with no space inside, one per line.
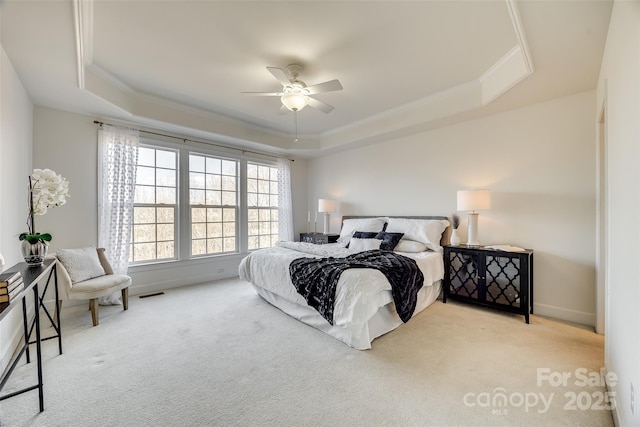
(405,66)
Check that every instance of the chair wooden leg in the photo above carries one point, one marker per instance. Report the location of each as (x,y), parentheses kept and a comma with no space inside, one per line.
(125,298)
(93,306)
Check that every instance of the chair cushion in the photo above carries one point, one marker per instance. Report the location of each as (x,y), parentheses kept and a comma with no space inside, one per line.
(99,286)
(81,264)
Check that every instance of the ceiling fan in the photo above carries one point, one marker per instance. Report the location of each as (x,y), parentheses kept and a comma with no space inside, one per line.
(295,94)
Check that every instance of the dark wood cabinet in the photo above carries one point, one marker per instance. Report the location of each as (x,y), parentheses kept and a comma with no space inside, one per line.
(319,238)
(491,278)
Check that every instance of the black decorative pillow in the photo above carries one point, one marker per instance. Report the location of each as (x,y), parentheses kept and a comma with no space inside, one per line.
(389,240)
(363,235)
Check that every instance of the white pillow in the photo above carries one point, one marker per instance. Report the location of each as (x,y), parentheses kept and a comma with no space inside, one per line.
(350,226)
(81,264)
(411,246)
(361,245)
(426,231)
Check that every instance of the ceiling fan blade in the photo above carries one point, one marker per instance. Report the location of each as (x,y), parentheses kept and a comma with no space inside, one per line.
(263,93)
(330,86)
(322,106)
(280,75)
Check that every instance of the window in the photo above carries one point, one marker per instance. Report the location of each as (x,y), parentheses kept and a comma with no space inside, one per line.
(262,205)
(155,203)
(192,204)
(213,199)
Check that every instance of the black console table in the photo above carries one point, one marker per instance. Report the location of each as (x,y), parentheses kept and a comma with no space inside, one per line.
(492,278)
(31,277)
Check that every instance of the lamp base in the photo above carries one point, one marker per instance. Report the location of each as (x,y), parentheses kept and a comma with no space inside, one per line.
(326,223)
(472,238)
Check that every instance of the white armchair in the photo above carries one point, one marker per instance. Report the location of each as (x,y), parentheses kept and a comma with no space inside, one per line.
(86,276)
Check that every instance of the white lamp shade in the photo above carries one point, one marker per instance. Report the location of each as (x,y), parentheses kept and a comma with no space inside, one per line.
(294,101)
(327,205)
(473,200)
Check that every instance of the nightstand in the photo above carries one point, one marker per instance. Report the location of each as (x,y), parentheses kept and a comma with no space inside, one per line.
(319,238)
(491,278)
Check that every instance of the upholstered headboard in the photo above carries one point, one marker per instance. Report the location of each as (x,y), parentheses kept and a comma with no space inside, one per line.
(446,236)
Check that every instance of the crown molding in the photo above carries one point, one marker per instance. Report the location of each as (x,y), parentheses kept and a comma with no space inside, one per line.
(514,13)
(83,29)
(510,70)
(513,67)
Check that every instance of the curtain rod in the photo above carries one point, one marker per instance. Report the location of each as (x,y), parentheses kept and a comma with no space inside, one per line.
(192,140)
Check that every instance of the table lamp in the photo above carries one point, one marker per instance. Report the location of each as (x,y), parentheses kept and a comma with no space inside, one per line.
(473,200)
(326,206)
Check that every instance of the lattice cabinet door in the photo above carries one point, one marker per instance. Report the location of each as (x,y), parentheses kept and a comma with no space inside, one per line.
(502,280)
(464,274)
(491,278)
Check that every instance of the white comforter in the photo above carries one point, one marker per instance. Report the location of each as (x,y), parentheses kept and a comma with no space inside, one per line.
(359,293)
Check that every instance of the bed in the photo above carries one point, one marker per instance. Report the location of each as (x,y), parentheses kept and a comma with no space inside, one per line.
(363,306)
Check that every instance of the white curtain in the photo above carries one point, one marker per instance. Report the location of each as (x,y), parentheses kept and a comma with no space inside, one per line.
(285,209)
(118,156)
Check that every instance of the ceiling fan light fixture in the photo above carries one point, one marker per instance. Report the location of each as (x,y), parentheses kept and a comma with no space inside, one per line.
(294,101)
(295,94)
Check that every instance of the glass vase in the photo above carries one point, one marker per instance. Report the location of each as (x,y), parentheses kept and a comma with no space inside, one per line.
(455,237)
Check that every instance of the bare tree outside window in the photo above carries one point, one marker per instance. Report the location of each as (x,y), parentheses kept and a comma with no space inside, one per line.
(155,204)
(213,200)
(262,203)
(195,212)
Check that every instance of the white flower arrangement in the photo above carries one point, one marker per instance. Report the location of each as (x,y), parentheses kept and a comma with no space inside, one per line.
(47,190)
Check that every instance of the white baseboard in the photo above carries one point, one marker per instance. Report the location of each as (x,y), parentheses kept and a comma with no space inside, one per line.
(560,313)
(138,288)
(159,277)
(177,283)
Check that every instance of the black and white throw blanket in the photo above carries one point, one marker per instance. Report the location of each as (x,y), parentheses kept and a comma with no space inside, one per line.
(316,279)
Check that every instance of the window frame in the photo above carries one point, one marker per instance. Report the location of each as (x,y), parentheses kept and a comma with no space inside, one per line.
(176,214)
(183,215)
(259,193)
(221,206)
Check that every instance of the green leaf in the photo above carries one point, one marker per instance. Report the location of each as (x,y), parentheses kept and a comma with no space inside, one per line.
(35,237)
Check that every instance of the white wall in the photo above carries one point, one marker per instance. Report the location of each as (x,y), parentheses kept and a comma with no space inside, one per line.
(67,143)
(538,163)
(619,90)
(16,112)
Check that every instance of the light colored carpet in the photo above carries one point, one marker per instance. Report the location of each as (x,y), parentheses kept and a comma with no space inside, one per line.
(217,354)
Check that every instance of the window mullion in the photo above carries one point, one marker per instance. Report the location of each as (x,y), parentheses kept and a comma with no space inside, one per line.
(184,230)
(243,216)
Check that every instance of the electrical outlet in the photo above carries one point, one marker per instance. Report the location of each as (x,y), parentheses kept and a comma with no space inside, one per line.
(633,400)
